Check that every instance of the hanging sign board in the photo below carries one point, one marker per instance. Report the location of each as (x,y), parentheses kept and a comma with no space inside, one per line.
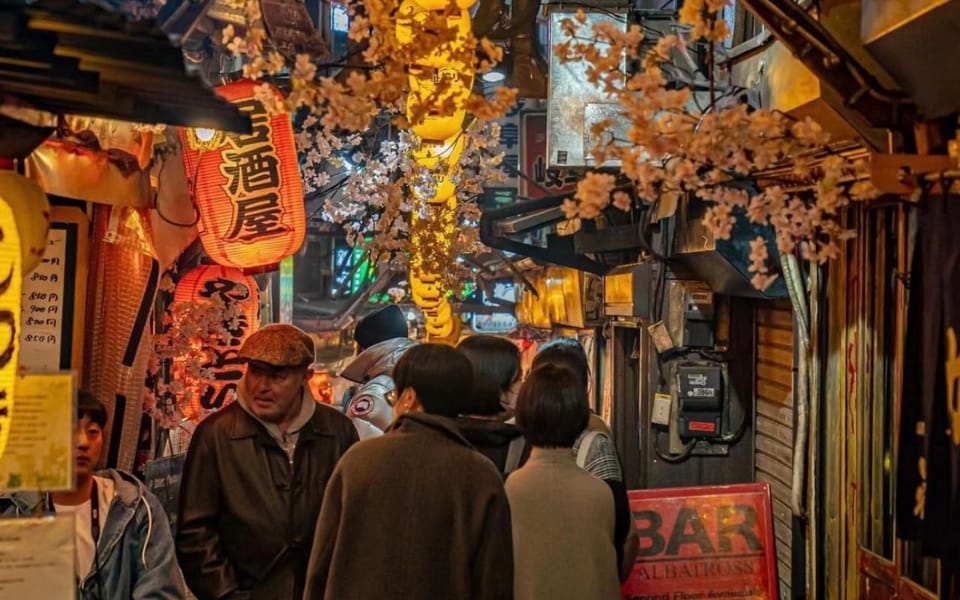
(542,182)
(53,297)
(162,477)
(39,453)
(494,323)
(704,542)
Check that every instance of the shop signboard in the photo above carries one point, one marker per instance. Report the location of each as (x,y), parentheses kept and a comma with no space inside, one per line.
(494,323)
(703,542)
(509,146)
(286,290)
(540,181)
(162,477)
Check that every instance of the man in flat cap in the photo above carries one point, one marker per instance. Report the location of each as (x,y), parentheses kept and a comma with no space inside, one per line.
(255,474)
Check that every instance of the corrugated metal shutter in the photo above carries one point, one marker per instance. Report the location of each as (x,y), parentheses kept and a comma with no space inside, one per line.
(774,430)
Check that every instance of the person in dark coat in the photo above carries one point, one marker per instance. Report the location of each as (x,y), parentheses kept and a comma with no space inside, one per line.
(416,513)
(483,414)
(254,476)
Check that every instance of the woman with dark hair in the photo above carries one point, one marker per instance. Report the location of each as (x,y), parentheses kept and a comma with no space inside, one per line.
(594,447)
(580,558)
(496,380)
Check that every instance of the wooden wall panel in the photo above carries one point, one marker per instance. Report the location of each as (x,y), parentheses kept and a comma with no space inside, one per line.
(774,423)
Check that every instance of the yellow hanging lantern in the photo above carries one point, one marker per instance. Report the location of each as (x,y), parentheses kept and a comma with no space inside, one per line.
(427,108)
(440,85)
(31,209)
(442,4)
(11,281)
(441,160)
(431,155)
(435,126)
(410,13)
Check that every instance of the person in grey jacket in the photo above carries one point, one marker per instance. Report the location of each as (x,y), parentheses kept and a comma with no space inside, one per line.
(382,339)
(124,548)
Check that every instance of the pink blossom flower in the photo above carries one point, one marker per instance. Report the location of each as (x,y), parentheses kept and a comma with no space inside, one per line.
(622,201)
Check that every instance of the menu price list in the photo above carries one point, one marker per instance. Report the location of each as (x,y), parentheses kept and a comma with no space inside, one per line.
(43,308)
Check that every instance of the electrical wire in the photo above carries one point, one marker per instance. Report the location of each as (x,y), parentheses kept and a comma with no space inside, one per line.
(685,454)
(196,211)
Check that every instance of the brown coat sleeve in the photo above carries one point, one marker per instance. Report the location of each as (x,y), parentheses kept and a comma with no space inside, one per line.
(205,567)
(492,577)
(324,539)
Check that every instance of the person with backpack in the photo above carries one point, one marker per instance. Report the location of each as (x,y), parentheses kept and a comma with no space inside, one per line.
(382,339)
(483,414)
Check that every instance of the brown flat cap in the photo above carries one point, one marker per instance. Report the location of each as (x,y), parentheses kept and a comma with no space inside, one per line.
(279,345)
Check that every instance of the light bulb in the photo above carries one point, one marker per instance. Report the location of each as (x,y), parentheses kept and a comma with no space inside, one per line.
(205,135)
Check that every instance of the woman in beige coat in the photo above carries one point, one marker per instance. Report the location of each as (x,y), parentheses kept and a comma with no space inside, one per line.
(566,537)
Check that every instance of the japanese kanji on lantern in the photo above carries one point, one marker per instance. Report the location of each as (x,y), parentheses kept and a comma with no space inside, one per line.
(232,300)
(11,264)
(439,89)
(247,187)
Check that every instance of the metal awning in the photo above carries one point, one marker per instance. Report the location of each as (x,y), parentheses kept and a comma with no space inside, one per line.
(589,249)
(70,57)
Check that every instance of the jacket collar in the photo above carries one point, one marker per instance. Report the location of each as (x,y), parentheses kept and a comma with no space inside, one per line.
(423,422)
(376,360)
(128,488)
(309,420)
(129,493)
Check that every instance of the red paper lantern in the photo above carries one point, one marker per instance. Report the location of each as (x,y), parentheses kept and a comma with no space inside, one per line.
(228,292)
(247,187)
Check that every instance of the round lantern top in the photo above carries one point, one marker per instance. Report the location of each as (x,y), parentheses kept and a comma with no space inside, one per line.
(207,281)
(31,211)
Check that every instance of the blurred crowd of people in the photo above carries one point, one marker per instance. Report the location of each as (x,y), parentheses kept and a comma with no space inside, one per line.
(443,473)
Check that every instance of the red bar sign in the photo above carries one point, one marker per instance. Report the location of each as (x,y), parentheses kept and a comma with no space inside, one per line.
(705,542)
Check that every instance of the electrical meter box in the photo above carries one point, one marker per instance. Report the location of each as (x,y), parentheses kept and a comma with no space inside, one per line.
(691,314)
(700,395)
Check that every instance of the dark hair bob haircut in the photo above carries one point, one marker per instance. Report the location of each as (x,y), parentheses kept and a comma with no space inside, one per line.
(564,352)
(496,366)
(552,407)
(440,375)
(88,406)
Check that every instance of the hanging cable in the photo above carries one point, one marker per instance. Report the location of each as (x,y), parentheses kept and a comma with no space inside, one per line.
(685,454)
(156,201)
